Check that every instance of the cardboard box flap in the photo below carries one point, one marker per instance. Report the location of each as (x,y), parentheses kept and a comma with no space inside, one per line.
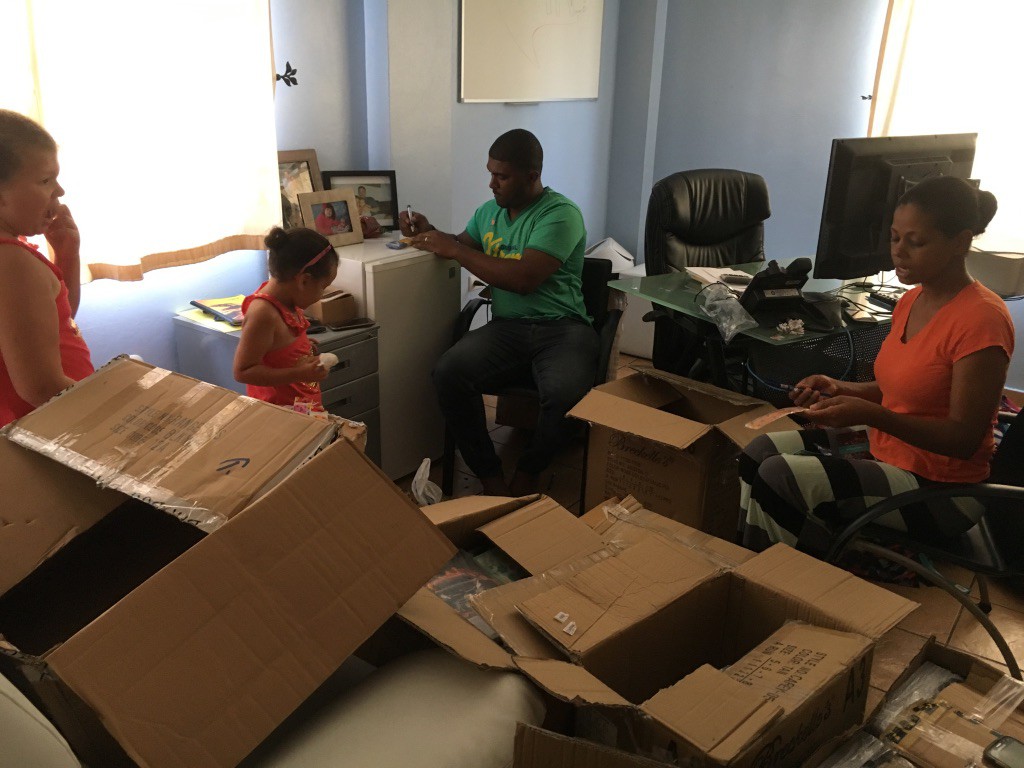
(838,599)
(626,522)
(599,407)
(435,618)
(185,446)
(569,682)
(706,708)
(497,607)
(683,383)
(460,518)
(542,535)
(735,428)
(536,748)
(197,665)
(600,601)
(37,518)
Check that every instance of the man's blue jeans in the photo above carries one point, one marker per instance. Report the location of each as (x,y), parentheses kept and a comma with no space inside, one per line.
(561,357)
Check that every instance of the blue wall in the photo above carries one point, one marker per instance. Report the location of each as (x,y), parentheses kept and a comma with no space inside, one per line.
(684,84)
(135,318)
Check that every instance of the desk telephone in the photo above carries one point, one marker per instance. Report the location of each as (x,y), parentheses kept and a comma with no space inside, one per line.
(775,293)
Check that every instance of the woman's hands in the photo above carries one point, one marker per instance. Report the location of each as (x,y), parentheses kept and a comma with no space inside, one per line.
(810,390)
(843,411)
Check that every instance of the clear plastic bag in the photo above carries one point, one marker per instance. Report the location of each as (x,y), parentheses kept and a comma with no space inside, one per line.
(722,306)
(424,491)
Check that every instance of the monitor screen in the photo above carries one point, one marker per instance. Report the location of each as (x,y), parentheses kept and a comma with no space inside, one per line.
(866,177)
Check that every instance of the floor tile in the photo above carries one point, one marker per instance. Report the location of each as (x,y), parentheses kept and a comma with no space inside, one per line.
(623,371)
(490,401)
(970,636)
(511,436)
(1007,593)
(936,616)
(894,651)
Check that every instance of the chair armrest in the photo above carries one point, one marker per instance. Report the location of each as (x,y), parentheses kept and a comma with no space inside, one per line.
(928,493)
(465,318)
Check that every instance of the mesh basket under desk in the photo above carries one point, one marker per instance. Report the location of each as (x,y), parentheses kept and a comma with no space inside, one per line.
(830,355)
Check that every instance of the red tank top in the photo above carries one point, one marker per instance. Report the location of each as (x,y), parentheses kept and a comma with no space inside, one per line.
(285,357)
(74,354)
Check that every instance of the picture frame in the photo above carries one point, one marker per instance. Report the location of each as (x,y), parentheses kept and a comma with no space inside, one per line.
(341,226)
(379,198)
(298,172)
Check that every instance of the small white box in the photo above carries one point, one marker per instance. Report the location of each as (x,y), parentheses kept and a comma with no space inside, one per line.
(1000,272)
(637,337)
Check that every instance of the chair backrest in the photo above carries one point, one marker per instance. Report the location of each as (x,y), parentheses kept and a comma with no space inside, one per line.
(710,217)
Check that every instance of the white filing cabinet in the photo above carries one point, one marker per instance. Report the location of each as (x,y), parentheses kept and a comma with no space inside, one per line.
(415,298)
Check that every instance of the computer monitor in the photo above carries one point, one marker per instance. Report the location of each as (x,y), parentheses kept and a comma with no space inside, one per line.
(866,178)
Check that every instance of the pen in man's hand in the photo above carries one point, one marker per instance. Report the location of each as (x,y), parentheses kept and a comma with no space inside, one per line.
(408,212)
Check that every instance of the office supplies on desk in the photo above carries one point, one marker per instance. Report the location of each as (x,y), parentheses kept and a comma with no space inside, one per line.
(228,309)
(733,278)
(886,300)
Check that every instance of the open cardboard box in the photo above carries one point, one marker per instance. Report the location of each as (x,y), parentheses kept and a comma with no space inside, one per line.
(334,308)
(183,639)
(671,443)
(632,613)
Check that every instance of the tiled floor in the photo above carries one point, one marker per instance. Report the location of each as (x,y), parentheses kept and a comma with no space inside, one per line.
(562,481)
(939,615)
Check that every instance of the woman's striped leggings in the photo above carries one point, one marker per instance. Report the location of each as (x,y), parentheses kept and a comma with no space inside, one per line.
(801,487)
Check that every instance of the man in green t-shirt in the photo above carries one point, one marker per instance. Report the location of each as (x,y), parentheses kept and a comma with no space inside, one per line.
(527,245)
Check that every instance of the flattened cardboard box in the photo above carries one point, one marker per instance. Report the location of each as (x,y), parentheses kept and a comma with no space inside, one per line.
(647,613)
(671,443)
(199,661)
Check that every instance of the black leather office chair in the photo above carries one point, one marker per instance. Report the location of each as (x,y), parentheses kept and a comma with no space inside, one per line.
(710,217)
(994,548)
(595,276)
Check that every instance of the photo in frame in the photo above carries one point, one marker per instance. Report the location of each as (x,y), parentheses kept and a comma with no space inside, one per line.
(298,173)
(375,191)
(332,213)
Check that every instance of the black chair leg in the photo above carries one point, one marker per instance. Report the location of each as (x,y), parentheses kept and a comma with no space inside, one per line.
(936,578)
(448,464)
(984,603)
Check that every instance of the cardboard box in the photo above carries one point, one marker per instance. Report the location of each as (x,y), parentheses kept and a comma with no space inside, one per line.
(954,727)
(334,308)
(537,748)
(197,644)
(647,609)
(671,443)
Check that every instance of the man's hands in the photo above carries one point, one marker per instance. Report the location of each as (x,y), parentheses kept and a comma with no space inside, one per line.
(418,225)
(437,242)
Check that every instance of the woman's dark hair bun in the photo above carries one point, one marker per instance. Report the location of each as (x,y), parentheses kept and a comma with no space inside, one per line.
(987,207)
(275,238)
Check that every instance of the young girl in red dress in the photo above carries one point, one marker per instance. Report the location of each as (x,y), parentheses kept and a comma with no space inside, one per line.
(275,359)
(41,349)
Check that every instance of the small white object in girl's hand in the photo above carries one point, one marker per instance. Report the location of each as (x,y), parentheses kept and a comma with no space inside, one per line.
(328,360)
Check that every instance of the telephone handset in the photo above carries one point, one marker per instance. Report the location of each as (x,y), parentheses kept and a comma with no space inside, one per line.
(776,288)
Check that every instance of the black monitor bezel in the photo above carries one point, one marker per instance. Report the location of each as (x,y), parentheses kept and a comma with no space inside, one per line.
(919,156)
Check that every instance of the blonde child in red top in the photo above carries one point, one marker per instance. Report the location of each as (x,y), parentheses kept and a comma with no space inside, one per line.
(41,349)
(939,379)
(275,359)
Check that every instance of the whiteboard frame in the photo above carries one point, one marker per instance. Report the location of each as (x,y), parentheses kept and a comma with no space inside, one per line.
(588,92)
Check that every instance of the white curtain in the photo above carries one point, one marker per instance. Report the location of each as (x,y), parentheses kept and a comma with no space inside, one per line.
(953,66)
(164,115)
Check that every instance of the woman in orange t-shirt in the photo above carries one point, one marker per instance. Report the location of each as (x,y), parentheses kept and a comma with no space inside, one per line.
(929,413)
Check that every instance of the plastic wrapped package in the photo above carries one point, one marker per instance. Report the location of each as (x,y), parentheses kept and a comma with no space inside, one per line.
(924,683)
(862,750)
(722,306)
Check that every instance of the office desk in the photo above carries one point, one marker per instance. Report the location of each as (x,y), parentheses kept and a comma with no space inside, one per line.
(858,342)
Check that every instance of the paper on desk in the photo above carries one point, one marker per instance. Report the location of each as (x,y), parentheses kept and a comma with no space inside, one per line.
(709,275)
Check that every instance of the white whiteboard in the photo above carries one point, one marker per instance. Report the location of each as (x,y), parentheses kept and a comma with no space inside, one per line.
(530,50)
